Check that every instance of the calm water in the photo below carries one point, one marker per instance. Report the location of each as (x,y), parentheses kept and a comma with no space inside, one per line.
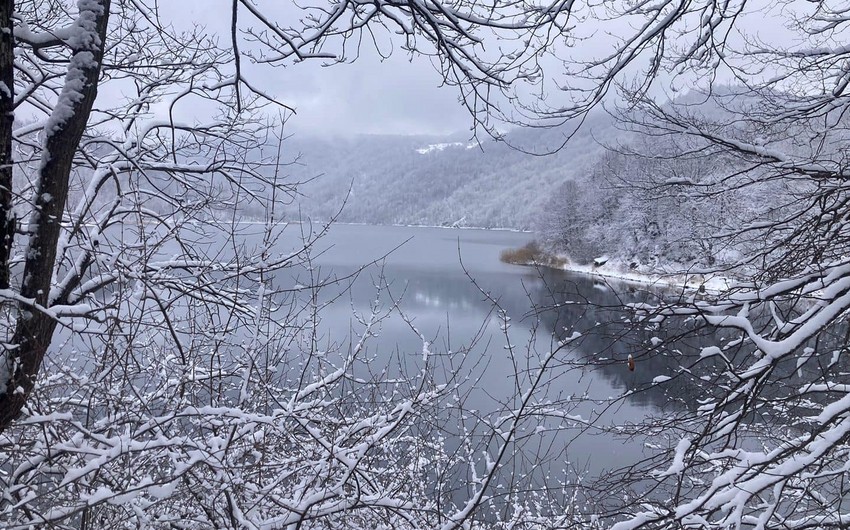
(449,287)
(439,278)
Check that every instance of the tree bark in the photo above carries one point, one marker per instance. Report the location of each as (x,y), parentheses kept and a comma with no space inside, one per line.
(7,118)
(64,129)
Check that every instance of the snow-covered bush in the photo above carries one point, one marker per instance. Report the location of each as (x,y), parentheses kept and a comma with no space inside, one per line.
(194,418)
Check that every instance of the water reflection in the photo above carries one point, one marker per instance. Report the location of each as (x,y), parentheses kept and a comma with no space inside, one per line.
(451,304)
(492,325)
(452,290)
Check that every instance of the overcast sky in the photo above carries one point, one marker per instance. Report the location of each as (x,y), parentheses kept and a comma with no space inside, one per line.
(370,95)
(396,95)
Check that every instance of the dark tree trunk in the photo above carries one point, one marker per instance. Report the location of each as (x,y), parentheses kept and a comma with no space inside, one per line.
(7,118)
(62,134)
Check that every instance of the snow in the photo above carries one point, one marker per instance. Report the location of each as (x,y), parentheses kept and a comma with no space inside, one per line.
(83,34)
(83,38)
(637,521)
(436,148)
(710,351)
(678,464)
(617,270)
(24,33)
(72,92)
(100,494)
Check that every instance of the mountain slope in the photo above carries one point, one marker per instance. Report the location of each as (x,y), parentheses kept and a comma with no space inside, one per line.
(440,181)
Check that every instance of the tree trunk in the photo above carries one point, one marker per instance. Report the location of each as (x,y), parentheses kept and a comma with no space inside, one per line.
(62,133)
(7,118)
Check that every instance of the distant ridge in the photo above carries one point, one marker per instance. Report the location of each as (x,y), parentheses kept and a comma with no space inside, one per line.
(427,180)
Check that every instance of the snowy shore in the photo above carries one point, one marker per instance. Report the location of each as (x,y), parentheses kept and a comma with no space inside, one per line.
(604,267)
(676,280)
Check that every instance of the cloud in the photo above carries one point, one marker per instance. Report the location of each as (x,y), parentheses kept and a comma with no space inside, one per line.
(371,95)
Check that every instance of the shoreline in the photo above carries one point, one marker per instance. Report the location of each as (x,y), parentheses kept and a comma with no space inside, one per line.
(677,280)
(533,256)
(397,225)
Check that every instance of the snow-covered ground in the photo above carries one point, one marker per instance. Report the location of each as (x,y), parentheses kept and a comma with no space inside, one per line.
(442,146)
(621,271)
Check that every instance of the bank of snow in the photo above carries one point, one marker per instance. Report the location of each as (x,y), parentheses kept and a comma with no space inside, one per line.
(533,255)
(675,279)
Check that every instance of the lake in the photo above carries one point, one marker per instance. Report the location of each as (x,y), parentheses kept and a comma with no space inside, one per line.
(449,312)
(446,281)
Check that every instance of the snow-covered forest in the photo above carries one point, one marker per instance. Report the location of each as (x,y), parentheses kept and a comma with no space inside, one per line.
(608,192)
(440,181)
(658,204)
(164,366)
(612,190)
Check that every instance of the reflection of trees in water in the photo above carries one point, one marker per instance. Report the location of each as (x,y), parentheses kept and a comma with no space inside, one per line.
(445,290)
(563,303)
(457,291)
(611,332)
(598,309)
(677,348)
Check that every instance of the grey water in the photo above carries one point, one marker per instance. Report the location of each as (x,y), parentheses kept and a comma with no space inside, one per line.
(487,322)
(489,325)
(450,285)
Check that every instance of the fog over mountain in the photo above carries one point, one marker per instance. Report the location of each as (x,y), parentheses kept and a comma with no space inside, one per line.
(430,180)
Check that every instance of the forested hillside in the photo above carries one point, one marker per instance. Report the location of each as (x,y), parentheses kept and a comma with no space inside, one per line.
(438,180)
(648,199)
